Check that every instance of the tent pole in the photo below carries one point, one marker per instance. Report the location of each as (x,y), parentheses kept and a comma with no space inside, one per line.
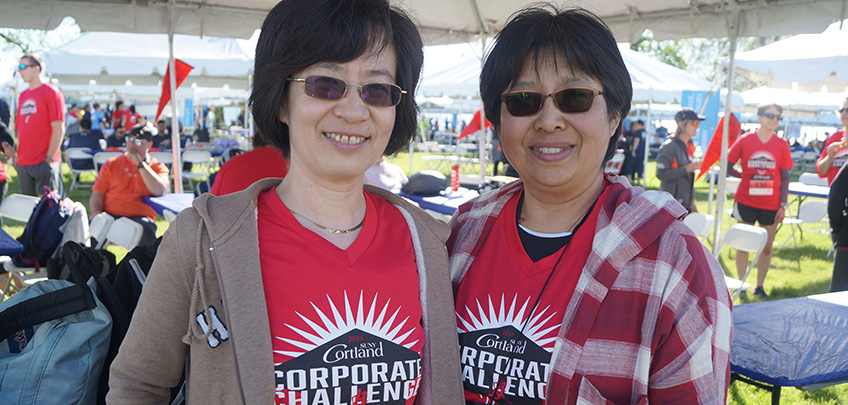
(647,143)
(484,134)
(175,129)
(722,174)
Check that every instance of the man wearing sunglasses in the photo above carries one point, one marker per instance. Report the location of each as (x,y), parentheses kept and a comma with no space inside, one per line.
(40,126)
(124,180)
(835,151)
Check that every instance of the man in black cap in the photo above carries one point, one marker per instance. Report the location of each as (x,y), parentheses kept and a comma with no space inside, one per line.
(676,163)
(124,180)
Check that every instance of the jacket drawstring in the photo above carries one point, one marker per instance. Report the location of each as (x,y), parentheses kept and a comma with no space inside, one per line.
(198,288)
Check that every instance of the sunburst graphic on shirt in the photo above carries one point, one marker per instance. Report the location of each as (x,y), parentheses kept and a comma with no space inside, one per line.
(496,316)
(364,318)
(762,160)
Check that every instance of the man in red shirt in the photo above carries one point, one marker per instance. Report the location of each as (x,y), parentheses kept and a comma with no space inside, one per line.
(125,179)
(40,126)
(835,151)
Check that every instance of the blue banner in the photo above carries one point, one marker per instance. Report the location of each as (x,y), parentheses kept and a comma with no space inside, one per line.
(696,100)
(188,113)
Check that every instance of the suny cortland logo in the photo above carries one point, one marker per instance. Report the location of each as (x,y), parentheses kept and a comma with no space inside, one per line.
(28,108)
(762,160)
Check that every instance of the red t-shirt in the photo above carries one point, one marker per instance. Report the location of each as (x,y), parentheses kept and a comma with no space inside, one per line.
(493,303)
(124,188)
(345,324)
(761,166)
(39,107)
(838,160)
(243,170)
(117,117)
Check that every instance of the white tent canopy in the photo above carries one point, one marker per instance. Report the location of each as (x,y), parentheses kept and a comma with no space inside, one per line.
(441,21)
(810,60)
(112,58)
(652,80)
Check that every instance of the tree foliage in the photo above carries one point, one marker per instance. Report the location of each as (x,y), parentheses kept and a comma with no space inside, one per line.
(700,56)
(16,42)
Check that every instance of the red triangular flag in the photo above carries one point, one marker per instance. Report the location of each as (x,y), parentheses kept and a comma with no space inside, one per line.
(473,126)
(183,70)
(713,153)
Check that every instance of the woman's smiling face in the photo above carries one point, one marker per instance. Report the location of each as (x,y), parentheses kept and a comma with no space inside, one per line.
(340,139)
(553,149)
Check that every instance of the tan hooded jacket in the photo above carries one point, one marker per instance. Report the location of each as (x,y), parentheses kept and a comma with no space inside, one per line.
(203,308)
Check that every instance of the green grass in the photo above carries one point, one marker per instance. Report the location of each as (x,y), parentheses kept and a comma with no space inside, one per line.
(793,273)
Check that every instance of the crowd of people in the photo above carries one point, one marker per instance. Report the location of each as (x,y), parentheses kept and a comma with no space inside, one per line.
(569,282)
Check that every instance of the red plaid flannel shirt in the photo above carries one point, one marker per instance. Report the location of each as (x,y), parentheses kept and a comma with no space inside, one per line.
(650,319)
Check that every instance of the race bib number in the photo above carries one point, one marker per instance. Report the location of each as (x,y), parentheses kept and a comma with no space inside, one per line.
(761,184)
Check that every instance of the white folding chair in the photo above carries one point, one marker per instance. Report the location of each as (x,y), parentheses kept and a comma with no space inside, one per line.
(18,207)
(201,161)
(614,165)
(809,160)
(701,224)
(100,225)
(747,238)
(79,155)
(731,184)
(167,158)
(810,212)
(812,179)
(123,232)
(102,157)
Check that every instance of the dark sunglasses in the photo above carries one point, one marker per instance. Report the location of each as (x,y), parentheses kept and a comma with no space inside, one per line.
(842,111)
(330,88)
(574,100)
(772,116)
(23,66)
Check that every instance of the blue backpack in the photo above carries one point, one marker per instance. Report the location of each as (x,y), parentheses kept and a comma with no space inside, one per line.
(54,338)
(41,235)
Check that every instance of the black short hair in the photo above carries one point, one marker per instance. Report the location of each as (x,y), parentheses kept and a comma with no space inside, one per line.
(297,34)
(761,109)
(580,36)
(35,59)
(85,123)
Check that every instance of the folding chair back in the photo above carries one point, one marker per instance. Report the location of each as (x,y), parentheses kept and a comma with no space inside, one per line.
(123,232)
(747,238)
(76,156)
(167,158)
(102,157)
(810,212)
(100,225)
(812,179)
(18,206)
(199,158)
(701,224)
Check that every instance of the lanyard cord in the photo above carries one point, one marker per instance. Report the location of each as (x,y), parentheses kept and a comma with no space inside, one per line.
(497,388)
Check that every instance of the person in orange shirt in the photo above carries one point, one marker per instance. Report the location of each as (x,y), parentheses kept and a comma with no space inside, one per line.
(125,179)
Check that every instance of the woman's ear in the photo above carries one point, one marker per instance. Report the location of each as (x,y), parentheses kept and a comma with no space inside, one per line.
(615,121)
(283,116)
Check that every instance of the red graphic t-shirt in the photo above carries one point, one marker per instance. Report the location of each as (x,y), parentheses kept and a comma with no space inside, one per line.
(838,160)
(504,350)
(38,108)
(345,324)
(761,166)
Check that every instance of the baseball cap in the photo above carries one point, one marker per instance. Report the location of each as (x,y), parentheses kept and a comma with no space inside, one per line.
(688,114)
(142,131)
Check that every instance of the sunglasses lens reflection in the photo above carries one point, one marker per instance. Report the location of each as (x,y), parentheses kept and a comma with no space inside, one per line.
(524,103)
(330,88)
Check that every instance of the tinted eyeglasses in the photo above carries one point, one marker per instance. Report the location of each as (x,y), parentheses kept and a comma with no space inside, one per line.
(24,66)
(138,141)
(573,100)
(842,110)
(772,116)
(330,88)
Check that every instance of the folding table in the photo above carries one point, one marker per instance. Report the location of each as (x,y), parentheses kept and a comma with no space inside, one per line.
(797,342)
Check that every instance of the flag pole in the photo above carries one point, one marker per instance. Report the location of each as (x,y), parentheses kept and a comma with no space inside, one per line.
(177,166)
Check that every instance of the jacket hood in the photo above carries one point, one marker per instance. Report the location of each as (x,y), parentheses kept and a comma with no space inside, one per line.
(633,218)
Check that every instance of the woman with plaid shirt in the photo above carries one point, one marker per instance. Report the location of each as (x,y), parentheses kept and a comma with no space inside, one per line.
(572,286)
